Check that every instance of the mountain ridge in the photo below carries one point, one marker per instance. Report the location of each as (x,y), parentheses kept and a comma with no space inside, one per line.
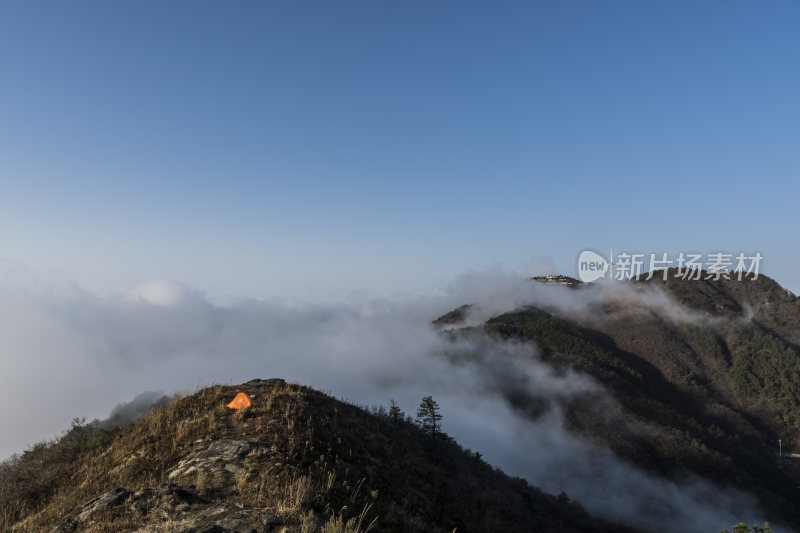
(298,460)
(714,372)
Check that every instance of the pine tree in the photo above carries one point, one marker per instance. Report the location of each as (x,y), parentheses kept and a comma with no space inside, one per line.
(395,413)
(428,415)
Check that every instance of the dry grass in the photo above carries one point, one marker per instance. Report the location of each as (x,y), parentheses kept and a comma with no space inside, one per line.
(331,467)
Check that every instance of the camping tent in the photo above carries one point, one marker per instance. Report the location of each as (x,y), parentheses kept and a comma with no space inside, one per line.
(240,401)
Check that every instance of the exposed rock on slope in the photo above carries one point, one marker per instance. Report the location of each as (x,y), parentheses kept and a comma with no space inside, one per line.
(298,460)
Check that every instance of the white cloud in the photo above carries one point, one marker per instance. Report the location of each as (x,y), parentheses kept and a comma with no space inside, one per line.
(159,292)
(69,353)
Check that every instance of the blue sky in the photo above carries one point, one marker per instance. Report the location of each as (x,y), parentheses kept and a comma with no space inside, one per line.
(310,150)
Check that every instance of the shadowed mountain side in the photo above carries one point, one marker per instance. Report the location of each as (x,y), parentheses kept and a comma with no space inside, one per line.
(704,375)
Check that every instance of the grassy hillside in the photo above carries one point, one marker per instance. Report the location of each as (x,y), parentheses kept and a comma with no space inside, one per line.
(298,460)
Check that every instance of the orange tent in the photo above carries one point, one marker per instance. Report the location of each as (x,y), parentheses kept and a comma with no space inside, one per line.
(240,401)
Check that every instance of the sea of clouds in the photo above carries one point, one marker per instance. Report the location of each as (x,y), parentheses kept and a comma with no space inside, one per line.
(68,353)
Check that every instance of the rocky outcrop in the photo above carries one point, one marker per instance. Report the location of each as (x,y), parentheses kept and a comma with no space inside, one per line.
(181,508)
(222,455)
(113,498)
(110,499)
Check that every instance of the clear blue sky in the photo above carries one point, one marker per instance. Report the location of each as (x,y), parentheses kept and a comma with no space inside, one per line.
(310,149)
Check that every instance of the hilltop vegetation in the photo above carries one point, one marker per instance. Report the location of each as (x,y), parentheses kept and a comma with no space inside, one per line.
(298,460)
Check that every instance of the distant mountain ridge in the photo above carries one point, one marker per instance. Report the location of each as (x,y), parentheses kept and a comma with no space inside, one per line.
(716,379)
